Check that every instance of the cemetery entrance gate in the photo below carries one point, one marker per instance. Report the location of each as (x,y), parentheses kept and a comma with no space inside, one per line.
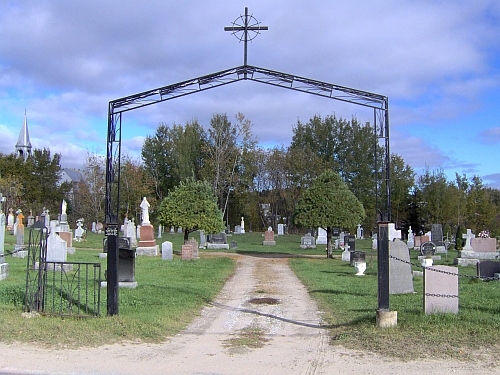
(245,72)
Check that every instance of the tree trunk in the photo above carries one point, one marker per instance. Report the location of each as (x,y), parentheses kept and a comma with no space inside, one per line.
(329,242)
(186,236)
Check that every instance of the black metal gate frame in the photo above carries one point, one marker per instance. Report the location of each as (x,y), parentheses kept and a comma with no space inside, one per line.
(379,103)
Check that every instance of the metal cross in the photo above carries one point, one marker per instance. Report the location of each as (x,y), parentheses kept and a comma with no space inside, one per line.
(249,24)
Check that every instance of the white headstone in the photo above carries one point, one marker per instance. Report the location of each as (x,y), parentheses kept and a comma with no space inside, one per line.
(322,240)
(131,233)
(57,248)
(166,250)
(281,229)
(393,233)
(359,232)
(93,227)
(468,236)
(242,230)
(411,239)
(79,230)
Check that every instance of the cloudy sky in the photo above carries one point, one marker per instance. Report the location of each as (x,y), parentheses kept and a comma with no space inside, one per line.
(437,61)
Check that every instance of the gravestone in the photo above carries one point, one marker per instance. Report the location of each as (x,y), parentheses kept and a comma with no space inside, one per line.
(31,220)
(427,249)
(437,234)
(335,232)
(351,241)
(19,249)
(400,274)
(10,220)
(203,239)
(269,238)
(307,242)
(359,232)
(321,240)
(172,230)
(147,245)
(94,230)
(217,241)
(4,267)
(167,250)
(341,239)
(187,252)
(346,254)
(357,256)
(481,249)
(487,268)
(195,246)
(411,239)
(57,248)
(242,226)
(440,290)
(375,241)
(237,229)
(126,261)
(131,232)
(79,230)
(159,231)
(281,229)
(234,245)
(393,233)
(468,237)
(179,230)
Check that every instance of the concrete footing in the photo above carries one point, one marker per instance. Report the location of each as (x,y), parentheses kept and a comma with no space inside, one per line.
(386,318)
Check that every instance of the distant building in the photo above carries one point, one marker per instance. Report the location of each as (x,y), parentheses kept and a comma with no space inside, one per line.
(23,145)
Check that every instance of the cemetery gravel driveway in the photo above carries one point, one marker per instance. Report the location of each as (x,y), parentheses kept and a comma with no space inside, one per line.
(287,335)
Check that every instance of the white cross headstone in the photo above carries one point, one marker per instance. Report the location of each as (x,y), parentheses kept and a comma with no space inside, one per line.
(468,236)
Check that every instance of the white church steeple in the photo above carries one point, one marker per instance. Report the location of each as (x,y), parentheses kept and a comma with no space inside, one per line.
(23,145)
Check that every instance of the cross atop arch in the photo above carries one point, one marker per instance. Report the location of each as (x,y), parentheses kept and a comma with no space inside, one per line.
(245,24)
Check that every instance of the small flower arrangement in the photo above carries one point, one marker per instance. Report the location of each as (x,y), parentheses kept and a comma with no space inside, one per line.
(484,234)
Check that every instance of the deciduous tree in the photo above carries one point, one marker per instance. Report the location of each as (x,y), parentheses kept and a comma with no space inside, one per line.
(328,203)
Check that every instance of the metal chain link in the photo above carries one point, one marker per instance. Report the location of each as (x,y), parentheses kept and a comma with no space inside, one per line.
(441,271)
(441,295)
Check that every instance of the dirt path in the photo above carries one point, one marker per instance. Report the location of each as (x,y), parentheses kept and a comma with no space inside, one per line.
(264,305)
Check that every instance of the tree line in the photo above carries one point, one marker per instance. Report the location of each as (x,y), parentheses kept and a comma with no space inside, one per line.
(263,185)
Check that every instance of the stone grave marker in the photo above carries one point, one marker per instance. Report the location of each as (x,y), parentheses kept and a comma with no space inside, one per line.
(357,256)
(393,233)
(234,244)
(321,240)
(19,249)
(79,230)
(217,241)
(335,232)
(195,246)
(346,254)
(480,249)
(351,241)
(400,274)
(468,237)
(269,237)
(487,268)
(440,290)
(187,252)
(147,245)
(126,261)
(281,229)
(411,239)
(237,229)
(203,239)
(167,250)
(307,242)
(4,267)
(359,232)
(10,220)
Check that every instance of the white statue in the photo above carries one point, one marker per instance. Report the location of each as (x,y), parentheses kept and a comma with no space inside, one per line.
(145,211)
(63,207)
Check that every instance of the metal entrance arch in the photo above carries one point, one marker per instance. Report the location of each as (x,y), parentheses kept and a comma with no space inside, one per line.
(116,108)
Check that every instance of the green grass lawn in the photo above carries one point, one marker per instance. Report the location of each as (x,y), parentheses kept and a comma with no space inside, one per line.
(171,294)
